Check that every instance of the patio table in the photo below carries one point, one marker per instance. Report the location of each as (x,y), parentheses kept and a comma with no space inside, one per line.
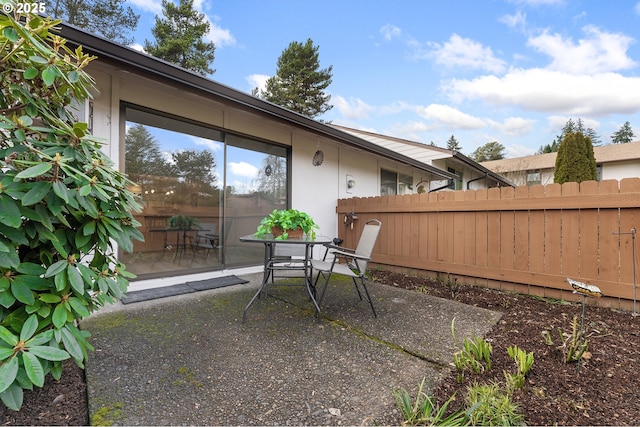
(273,263)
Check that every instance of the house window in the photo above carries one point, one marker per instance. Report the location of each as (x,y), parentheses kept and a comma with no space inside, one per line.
(534,177)
(598,173)
(394,183)
(455,184)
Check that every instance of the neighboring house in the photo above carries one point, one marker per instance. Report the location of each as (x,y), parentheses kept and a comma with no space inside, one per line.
(238,158)
(614,161)
(470,175)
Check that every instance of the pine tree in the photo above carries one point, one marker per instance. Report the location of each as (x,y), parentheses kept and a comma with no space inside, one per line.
(624,135)
(548,148)
(453,145)
(179,38)
(575,161)
(108,18)
(489,151)
(299,83)
(142,154)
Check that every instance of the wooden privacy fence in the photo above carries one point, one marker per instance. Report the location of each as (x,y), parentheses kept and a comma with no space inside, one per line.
(525,239)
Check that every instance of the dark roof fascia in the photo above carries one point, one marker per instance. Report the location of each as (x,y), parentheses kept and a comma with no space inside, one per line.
(108,50)
(472,163)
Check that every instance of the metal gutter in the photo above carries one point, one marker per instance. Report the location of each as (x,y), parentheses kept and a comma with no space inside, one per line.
(488,173)
(107,50)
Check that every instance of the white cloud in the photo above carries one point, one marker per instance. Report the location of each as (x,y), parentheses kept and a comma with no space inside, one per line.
(450,117)
(517,20)
(389,32)
(211,145)
(243,169)
(598,52)
(257,80)
(354,108)
(517,150)
(513,126)
(552,91)
(154,6)
(138,47)
(220,36)
(466,53)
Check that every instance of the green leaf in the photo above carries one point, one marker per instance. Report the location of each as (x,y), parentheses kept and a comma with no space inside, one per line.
(61,282)
(34,171)
(8,372)
(78,307)
(31,109)
(61,191)
(30,268)
(7,336)
(23,293)
(56,268)
(11,34)
(71,344)
(59,317)
(73,76)
(30,73)
(9,212)
(50,298)
(33,368)
(9,260)
(38,59)
(6,299)
(29,327)
(38,192)
(49,353)
(75,278)
(49,75)
(89,228)
(5,352)
(12,397)
(41,338)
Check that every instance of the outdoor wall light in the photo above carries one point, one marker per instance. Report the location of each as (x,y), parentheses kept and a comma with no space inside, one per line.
(350,182)
(318,158)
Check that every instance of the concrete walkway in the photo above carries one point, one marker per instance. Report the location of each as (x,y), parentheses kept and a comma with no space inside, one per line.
(189,360)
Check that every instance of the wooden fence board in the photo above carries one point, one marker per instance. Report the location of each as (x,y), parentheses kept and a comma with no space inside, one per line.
(524,239)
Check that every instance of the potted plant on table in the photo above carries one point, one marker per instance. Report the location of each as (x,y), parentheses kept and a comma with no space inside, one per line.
(286,223)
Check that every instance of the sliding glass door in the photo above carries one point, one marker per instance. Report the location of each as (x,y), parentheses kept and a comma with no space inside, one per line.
(201,189)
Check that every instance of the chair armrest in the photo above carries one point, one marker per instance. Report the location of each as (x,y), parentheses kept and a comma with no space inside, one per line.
(350,255)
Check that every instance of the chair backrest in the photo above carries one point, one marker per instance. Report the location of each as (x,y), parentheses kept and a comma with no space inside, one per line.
(368,241)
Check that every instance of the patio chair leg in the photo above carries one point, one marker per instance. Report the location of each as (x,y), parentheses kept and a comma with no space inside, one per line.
(364,285)
(355,283)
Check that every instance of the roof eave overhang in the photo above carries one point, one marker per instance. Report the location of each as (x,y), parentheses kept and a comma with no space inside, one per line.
(128,57)
(487,172)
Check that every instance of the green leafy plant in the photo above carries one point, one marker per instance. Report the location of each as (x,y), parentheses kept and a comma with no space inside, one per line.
(492,406)
(62,207)
(183,222)
(287,220)
(574,345)
(523,360)
(424,411)
(475,354)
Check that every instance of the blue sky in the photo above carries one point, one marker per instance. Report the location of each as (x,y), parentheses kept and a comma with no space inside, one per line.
(512,71)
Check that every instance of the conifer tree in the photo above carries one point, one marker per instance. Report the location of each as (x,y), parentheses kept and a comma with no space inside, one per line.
(624,135)
(108,18)
(299,83)
(179,38)
(575,161)
(453,144)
